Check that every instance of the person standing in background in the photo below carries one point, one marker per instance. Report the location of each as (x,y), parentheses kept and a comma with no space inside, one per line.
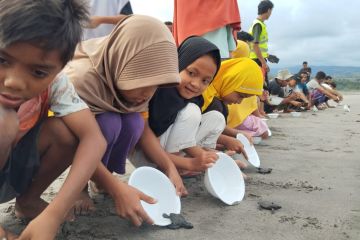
(104,15)
(215,20)
(306,69)
(259,47)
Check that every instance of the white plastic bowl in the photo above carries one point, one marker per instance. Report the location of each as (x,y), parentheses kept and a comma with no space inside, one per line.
(257,140)
(295,114)
(275,100)
(273,115)
(157,185)
(224,180)
(253,157)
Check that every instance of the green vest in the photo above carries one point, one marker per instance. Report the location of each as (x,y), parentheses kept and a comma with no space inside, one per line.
(263,42)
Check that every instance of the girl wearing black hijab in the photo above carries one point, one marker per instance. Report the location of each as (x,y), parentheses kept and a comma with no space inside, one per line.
(175,113)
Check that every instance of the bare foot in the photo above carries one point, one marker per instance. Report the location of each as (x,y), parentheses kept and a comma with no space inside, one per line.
(265,135)
(95,189)
(6,234)
(29,208)
(84,205)
(241,164)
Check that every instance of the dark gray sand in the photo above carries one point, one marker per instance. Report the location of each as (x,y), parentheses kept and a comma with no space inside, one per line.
(315,178)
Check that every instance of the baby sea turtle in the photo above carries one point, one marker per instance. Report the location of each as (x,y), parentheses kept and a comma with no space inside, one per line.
(269,206)
(264,170)
(177,221)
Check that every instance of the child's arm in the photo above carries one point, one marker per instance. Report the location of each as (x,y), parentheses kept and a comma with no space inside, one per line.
(202,159)
(95,21)
(232,132)
(9,126)
(231,144)
(88,154)
(152,148)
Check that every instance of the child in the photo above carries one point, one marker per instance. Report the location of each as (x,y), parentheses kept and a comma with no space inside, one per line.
(237,79)
(175,113)
(116,76)
(246,115)
(37,38)
(320,95)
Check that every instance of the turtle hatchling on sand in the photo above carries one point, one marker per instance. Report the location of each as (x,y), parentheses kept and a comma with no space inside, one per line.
(268,205)
(264,170)
(177,221)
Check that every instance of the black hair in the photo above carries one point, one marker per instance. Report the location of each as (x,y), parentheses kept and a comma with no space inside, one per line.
(305,62)
(333,84)
(49,25)
(245,36)
(193,48)
(264,6)
(168,23)
(320,75)
(328,77)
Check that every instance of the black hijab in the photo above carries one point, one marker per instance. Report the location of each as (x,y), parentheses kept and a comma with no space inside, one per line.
(167,102)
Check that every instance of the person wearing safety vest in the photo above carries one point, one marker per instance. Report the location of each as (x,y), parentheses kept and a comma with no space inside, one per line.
(259,47)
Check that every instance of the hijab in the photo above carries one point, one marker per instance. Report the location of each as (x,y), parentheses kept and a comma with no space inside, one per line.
(242,50)
(241,75)
(139,52)
(237,113)
(167,102)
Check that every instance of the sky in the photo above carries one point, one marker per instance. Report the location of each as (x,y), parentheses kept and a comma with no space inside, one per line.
(322,32)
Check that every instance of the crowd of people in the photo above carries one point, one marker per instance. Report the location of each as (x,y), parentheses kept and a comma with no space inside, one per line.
(167,95)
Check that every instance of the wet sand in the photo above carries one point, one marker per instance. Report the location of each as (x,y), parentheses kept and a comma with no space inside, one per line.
(315,178)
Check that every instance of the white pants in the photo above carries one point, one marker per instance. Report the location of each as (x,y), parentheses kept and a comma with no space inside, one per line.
(191,128)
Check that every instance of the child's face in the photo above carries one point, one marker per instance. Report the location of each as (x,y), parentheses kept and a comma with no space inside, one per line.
(235,97)
(303,78)
(196,77)
(138,96)
(292,82)
(25,72)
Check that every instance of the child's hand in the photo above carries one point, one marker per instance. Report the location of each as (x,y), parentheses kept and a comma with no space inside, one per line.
(204,161)
(43,227)
(175,178)
(94,22)
(9,124)
(127,204)
(248,136)
(233,144)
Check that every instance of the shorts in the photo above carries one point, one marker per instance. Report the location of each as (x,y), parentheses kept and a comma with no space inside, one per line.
(21,166)
(223,39)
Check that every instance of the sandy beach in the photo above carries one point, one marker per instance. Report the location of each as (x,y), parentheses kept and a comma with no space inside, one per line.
(315,178)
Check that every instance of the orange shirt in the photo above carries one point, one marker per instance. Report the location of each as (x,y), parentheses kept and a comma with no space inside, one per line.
(197,17)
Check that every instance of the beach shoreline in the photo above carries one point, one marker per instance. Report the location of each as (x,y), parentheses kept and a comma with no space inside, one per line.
(315,178)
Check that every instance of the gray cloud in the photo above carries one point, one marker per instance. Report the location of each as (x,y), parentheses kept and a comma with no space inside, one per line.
(322,32)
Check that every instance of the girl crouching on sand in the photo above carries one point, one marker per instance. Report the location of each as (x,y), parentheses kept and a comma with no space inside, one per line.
(116,76)
(236,80)
(175,113)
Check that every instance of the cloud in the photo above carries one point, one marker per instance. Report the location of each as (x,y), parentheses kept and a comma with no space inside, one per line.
(322,32)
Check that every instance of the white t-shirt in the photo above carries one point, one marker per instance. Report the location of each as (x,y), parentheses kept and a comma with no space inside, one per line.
(327,86)
(63,98)
(313,85)
(103,8)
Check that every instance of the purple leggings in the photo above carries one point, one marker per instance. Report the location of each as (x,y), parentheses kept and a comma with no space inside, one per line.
(122,132)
